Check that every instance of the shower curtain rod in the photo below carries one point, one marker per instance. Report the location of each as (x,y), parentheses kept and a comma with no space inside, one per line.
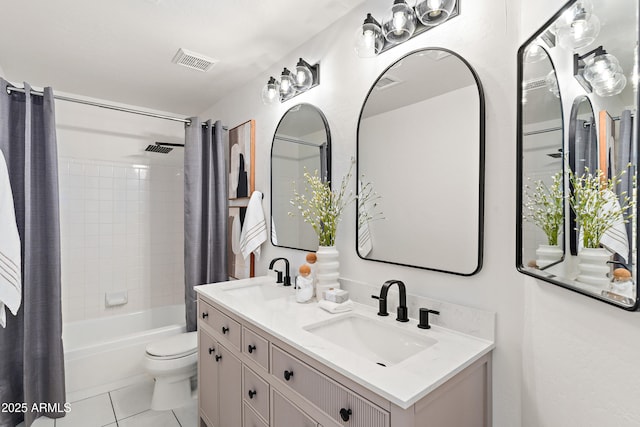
(109,107)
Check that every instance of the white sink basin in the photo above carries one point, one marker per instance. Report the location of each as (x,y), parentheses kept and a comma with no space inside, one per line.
(260,291)
(382,343)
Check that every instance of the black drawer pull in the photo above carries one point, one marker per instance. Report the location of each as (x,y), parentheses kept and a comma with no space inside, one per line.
(288,375)
(218,357)
(211,350)
(252,393)
(225,329)
(251,348)
(205,315)
(345,414)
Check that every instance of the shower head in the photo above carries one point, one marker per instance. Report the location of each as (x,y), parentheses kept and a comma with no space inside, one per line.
(162,147)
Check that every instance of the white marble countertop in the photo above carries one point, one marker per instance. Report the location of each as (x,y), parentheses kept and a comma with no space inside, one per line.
(276,311)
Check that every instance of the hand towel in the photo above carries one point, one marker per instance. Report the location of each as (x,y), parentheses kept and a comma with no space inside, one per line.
(274,235)
(254,229)
(615,238)
(234,167)
(334,307)
(10,263)
(236,231)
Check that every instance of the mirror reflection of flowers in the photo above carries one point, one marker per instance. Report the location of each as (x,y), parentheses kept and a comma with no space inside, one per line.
(322,208)
(545,207)
(596,206)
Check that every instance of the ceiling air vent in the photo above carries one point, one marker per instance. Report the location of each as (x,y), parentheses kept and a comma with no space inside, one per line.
(386,82)
(193,60)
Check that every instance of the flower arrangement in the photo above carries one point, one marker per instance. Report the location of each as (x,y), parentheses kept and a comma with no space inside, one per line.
(322,208)
(545,207)
(594,204)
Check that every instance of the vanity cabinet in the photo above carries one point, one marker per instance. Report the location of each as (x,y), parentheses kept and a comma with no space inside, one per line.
(262,381)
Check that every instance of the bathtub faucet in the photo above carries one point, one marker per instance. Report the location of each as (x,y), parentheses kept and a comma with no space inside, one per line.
(287,277)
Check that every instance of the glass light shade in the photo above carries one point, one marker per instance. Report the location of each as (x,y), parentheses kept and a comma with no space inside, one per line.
(580,10)
(579,33)
(611,87)
(601,67)
(369,38)
(271,92)
(400,24)
(303,77)
(434,12)
(552,83)
(287,85)
(534,53)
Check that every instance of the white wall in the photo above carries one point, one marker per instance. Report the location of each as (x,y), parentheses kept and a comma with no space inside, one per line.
(485,34)
(121,211)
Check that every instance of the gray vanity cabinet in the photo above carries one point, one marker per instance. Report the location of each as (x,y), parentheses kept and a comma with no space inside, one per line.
(262,381)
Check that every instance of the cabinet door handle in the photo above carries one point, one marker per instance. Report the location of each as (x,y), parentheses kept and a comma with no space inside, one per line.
(205,315)
(252,393)
(288,375)
(225,329)
(251,348)
(345,414)
(211,350)
(218,357)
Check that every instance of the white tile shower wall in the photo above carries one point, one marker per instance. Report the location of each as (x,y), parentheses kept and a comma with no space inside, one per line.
(122,230)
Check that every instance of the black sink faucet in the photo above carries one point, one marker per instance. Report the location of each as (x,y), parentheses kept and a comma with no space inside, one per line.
(382,300)
(287,277)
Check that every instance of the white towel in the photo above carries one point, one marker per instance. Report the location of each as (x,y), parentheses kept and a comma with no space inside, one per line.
(615,238)
(236,231)
(254,229)
(334,307)
(234,168)
(274,235)
(10,263)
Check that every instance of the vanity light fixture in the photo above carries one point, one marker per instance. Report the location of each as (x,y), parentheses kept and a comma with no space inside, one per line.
(601,74)
(578,27)
(402,23)
(305,77)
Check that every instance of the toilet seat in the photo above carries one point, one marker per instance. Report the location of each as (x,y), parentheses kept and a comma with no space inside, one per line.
(175,347)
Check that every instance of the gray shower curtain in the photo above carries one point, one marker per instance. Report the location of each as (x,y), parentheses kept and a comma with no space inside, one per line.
(31,353)
(205,210)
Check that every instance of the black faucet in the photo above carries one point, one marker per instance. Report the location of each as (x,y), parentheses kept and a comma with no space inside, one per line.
(382,300)
(287,277)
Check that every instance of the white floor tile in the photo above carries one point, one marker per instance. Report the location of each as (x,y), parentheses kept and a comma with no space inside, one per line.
(41,422)
(188,415)
(132,400)
(92,412)
(150,419)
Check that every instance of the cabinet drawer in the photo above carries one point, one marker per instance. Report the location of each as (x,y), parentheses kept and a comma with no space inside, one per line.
(205,313)
(256,347)
(251,419)
(228,328)
(255,392)
(326,394)
(286,414)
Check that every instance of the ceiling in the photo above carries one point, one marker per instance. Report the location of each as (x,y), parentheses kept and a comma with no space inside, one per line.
(121,50)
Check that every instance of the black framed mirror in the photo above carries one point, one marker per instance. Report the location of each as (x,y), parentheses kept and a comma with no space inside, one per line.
(301,143)
(587,166)
(421,145)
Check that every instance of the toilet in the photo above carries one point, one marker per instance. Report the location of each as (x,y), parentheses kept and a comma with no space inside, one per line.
(173,363)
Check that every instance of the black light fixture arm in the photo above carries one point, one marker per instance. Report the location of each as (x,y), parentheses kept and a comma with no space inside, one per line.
(579,64)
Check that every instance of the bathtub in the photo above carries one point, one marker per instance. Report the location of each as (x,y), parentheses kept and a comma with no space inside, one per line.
(108,353)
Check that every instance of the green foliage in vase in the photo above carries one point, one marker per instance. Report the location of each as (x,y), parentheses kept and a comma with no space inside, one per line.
(545,207)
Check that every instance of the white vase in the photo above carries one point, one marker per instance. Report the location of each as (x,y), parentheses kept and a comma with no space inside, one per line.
(547,255)
(327,270)
(593,267)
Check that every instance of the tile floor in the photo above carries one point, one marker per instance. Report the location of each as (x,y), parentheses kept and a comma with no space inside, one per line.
(124,407)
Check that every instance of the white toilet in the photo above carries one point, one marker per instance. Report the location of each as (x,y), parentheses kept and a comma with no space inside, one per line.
(172,362)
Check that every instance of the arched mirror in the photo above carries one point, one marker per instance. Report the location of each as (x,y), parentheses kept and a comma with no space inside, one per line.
(302,142)
(543,207)
(421,146)
(588,178)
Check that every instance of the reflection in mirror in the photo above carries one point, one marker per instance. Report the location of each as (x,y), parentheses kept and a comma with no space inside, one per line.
(301,143)
(421,145)
(596,72)
(542,161)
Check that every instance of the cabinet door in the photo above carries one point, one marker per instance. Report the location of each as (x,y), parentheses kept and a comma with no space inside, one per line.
(230,391)
(208,378)
(286,414)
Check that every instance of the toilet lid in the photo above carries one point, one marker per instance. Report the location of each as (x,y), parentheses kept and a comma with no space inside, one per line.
(175,346)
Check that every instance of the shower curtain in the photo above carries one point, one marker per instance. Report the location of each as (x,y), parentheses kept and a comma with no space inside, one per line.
(31,353)
(205,210)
